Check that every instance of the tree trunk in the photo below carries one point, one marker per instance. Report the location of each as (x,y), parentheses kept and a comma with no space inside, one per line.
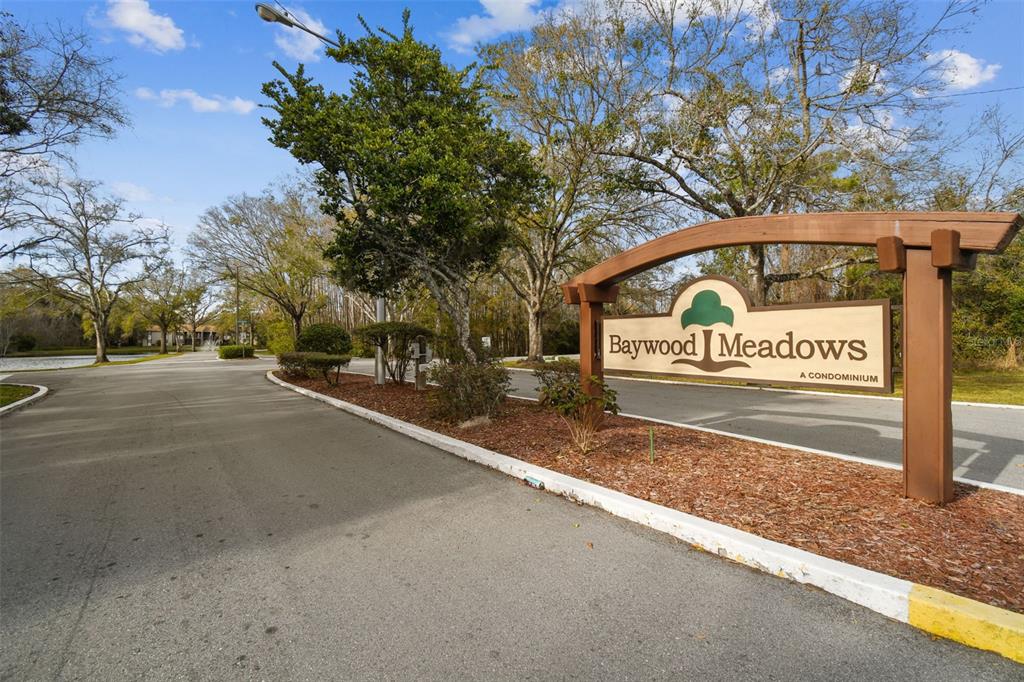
(461,321)
(535,322)
(758,281)
(100,330)
(193,337)
(163,339)
(296,327)
(453,299)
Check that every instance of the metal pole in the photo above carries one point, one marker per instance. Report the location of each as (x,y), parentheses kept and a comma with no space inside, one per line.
(238,338)
(382,316)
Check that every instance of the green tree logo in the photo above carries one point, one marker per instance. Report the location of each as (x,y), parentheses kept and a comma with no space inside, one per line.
(705,310)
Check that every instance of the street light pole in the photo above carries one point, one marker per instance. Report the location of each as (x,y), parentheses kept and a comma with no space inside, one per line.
(282,16)
(378,367)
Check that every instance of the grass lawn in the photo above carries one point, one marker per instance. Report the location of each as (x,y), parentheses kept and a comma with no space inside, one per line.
(974,386)
(1005,386)
(10,393)
(135,361)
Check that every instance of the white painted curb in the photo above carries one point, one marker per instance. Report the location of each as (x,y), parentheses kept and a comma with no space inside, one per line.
(876,591)
(24,402)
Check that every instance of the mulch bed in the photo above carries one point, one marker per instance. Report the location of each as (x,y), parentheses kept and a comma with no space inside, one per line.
(973,546)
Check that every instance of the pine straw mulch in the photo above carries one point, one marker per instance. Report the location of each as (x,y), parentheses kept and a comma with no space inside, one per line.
(852,512)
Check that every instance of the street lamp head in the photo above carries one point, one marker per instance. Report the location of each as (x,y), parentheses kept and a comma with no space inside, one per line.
(273,15)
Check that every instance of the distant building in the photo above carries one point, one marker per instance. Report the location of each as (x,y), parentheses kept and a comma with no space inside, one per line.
(206,335)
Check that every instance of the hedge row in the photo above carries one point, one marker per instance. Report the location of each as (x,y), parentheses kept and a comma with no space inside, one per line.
(235,352)
(300,363)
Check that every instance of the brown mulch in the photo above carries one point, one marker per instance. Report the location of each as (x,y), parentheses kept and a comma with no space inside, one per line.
(973,546)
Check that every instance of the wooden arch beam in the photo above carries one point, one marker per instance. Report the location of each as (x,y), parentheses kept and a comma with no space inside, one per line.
(924,247)
(979,233)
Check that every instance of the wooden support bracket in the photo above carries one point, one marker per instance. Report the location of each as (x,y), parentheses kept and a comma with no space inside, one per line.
(591,293)
(892,255)
(947,254)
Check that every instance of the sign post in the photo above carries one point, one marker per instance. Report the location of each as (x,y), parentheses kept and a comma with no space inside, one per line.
(925,247)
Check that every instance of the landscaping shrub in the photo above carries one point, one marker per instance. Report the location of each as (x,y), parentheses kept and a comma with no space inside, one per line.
(467,390)
(324,337)
(326,365)
(360,349)
(234,352)
(23,343)
(279,337)
(396,339)
(582,412)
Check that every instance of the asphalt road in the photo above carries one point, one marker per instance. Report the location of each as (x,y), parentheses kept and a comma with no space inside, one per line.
(186,519)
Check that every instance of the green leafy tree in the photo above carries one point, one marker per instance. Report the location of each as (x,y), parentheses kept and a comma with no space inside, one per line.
(160,300)
(269,245)
(584,201)
(95,252)
(198,300)
(421,183)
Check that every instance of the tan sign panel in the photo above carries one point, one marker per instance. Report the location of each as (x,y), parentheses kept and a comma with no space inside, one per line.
(713,332)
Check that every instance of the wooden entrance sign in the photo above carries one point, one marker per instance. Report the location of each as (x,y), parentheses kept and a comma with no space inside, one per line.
(924,247)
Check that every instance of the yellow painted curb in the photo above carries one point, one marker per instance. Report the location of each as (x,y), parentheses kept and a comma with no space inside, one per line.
(967,621)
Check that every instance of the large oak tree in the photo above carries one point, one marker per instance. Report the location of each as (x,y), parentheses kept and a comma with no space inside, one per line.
(732,109)
(95,252)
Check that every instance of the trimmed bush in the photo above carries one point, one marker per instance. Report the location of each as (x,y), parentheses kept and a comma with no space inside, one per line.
(324,338)
(326,365)
(582,412)
(468,390)
(396,339)
(235,352)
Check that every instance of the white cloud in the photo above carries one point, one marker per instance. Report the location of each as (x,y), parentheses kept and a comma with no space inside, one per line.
(298,44)
(214,103)
(961,71)
(500,16)
(129,191)
(145,28)
(780,74)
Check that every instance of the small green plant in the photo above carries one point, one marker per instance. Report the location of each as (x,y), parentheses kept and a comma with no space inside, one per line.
(583,412)
(234,352)
(396,339)
(650,433)
(467,390)
(324,337)
(326,365)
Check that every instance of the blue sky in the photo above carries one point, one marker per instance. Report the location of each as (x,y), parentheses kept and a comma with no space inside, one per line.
(193,70)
